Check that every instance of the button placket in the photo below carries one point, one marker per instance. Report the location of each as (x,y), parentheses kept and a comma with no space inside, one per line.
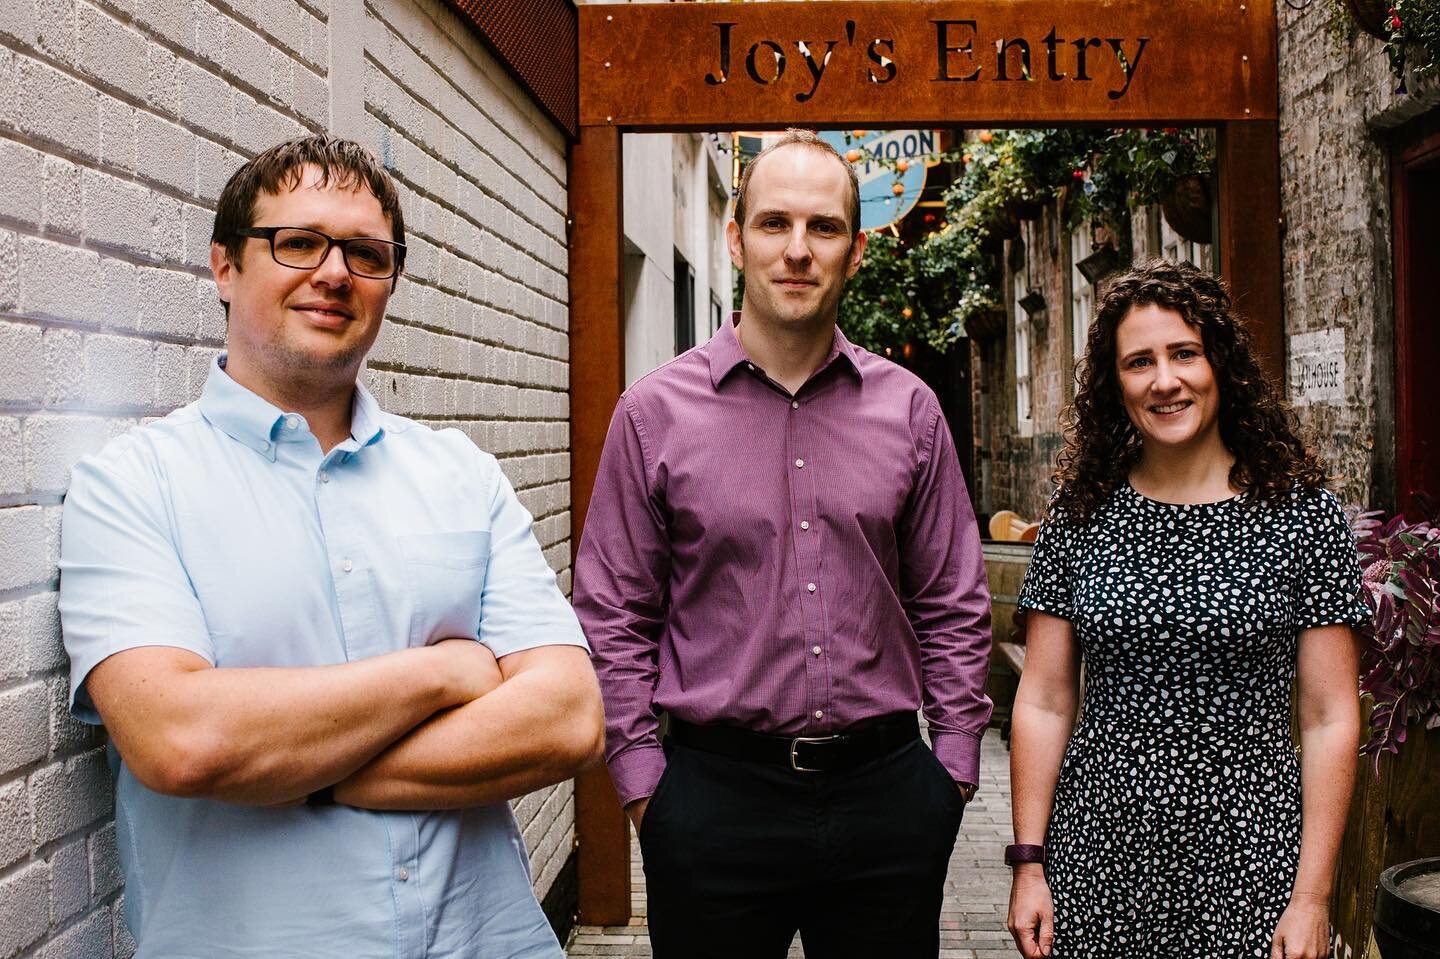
(803,505)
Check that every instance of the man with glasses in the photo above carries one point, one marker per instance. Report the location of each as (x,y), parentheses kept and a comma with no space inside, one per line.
(323,638)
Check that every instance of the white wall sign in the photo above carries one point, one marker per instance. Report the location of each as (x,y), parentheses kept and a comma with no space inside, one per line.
(1317,367)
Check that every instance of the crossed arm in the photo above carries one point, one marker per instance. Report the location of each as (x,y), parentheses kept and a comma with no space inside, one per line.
(442,726)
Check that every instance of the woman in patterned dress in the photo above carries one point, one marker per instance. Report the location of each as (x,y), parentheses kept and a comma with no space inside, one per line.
(1194,562)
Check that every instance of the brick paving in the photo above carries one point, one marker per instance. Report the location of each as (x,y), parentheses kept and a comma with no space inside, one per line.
(977,890)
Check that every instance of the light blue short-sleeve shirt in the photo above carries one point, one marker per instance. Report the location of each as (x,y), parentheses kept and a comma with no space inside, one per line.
(224,530)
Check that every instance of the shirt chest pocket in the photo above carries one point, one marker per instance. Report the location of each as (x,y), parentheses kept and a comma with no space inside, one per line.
(445,575)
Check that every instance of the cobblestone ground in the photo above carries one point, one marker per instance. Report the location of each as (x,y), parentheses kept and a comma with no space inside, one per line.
(972,921)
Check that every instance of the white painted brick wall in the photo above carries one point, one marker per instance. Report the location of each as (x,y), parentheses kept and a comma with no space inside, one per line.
(120,121)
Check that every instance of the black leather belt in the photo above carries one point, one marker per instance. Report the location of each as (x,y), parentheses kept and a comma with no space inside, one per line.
(806,754)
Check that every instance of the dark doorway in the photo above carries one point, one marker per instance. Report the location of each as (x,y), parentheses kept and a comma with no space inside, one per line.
(1416,197)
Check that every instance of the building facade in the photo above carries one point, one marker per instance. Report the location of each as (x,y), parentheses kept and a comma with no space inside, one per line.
(677,275)
(1360,177)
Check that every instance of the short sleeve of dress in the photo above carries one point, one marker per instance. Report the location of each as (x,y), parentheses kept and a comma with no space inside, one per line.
(1047,580)
(1327,584)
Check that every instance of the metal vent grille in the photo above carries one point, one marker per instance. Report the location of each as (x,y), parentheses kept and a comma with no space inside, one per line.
(537,40)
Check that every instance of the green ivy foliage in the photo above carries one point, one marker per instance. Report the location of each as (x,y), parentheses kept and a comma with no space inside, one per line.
(1414,37)
(953,276)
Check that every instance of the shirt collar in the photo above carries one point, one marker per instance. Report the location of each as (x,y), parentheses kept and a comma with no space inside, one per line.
(252,421)
(725,352)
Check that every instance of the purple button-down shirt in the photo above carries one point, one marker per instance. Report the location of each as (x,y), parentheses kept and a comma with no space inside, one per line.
(787,564)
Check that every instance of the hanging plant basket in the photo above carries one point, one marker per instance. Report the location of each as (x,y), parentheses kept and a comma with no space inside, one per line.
(1002,224)
(1102,262)
(1026,209)
(986,325)
(1187,209)
(1372,16)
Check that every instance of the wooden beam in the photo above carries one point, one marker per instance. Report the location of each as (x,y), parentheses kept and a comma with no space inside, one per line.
(900,63)
(597,377)
(1251,257)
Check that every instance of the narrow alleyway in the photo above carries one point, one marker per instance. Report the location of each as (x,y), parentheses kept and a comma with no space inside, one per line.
(972,922)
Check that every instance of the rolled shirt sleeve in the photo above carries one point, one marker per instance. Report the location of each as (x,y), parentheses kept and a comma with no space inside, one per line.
(945,595)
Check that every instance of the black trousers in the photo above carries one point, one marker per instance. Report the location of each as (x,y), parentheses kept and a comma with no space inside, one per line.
(740,855)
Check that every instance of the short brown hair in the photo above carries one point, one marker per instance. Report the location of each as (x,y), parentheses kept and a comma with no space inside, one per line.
(281,167)
(805,138)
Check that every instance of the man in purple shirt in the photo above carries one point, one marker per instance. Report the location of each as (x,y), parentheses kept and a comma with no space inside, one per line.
(781,556)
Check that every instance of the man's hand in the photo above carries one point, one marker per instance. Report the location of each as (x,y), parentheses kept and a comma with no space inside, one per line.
(636,811)
(967,790)
(470,667)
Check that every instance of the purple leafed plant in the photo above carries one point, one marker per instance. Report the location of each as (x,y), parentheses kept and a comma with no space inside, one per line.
(1400,648)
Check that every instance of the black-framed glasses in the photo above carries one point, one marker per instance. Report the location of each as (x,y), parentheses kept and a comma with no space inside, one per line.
(302,249)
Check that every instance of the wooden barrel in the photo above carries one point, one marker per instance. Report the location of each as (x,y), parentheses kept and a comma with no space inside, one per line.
(1005,565)
(1393,819)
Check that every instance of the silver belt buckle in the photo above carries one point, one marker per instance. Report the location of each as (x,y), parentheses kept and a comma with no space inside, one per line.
(795,744)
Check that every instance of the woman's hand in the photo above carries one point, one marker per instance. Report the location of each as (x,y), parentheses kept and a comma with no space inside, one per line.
(1303,931)
(1032,912)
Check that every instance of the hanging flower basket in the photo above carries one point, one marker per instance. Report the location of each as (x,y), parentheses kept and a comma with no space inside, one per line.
(1026,209)
(1372,16)
(1102,261)
(1187,208)
(1002,224)
(986,325)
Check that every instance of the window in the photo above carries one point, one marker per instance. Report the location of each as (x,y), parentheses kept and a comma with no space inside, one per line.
(1022,357)
(1177,249)
(684,305)
(717,313)
(1082,294)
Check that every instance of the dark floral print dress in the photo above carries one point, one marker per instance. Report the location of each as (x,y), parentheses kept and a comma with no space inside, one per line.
(1176,824)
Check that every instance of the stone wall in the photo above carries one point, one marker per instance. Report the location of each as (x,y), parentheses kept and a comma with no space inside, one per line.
(120,121)
(1336,92)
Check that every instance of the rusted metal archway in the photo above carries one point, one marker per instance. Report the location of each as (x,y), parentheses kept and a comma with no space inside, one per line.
(891,64)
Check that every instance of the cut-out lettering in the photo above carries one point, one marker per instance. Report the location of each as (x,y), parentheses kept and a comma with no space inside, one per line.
(1126,64)
(873,52)
(724,73)
(817,70)
(1002,68)
(944,49)
(1051,42)
(753,70)
(1081,46)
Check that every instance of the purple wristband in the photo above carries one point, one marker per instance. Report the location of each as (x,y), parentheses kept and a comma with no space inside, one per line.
(1018,853)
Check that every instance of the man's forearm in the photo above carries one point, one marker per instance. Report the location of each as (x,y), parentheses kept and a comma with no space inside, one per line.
(262,736)
(539,727)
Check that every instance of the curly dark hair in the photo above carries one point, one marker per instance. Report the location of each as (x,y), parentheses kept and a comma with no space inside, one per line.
(1256,425)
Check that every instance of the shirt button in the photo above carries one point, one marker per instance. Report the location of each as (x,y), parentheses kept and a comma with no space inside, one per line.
(794,404)
(292,422)
(403,875)
(750,367)
(804,524)
(324,477)
(799,464)
(264,446)
(347,566)
(810,586)
(815,649)
(819,714)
